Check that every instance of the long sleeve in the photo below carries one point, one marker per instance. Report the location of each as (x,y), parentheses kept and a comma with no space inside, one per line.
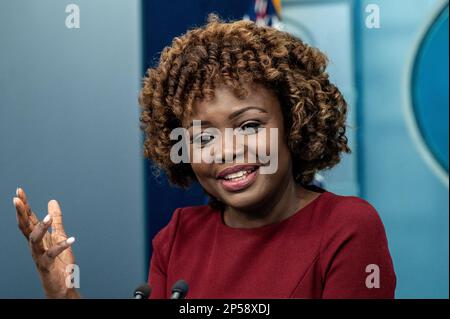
(355,259)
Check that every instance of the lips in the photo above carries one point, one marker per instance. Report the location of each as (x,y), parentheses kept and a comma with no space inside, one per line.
(238,177)
(235,169)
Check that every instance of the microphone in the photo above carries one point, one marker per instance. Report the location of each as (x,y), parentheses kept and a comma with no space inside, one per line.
(179,289)
(142,292)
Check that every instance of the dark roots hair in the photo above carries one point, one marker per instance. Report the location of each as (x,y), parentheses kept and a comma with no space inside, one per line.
(233,54)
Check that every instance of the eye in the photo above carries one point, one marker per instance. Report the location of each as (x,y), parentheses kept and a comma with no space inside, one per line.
(203,139)
(250,127)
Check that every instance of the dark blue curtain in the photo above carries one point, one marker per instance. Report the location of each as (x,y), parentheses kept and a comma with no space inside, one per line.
(161,22)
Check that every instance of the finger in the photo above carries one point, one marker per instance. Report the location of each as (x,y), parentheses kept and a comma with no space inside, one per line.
(21,194)
(24,225)
(38,233)
(55,212)
(60,247)
(23,221)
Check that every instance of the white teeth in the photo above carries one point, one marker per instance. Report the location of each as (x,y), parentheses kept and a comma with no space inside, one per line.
(238,175)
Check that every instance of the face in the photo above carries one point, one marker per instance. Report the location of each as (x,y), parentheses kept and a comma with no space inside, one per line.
(238,175)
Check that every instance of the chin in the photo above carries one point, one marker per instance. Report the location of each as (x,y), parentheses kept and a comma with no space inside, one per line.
(245,199)
(241,201)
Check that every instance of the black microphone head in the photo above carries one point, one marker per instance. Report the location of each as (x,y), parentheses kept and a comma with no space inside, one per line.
(143,291)
(181,287)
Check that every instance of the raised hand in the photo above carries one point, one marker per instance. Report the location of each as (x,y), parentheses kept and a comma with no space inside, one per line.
(51,251)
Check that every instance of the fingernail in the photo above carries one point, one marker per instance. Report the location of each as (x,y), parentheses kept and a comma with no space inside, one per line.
(15,201)
(17,191)
(70,240)
(46,219)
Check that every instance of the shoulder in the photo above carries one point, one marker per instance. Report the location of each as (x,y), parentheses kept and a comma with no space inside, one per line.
(351,225)
(353,242)
(185,220)
(350,221)
(351,213)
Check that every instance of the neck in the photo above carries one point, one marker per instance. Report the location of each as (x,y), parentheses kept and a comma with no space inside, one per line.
(283,204)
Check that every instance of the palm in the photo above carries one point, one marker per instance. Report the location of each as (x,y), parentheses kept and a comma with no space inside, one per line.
(56,282)
(65,257)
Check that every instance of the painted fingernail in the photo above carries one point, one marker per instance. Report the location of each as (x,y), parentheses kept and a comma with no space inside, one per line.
(46,219)
(70,240)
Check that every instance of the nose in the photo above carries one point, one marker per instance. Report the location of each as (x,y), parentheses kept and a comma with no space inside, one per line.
(229,151)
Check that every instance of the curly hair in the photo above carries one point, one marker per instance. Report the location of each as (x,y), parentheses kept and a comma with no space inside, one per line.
(233,54)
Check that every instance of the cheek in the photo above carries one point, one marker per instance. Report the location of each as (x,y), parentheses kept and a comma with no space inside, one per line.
(270,144)
(280,155)
(199,169)
(263,143)
(205,174)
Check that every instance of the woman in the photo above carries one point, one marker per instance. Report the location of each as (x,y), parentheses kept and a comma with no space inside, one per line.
(262,235)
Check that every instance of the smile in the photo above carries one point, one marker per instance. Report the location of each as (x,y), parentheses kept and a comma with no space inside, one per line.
(238,180)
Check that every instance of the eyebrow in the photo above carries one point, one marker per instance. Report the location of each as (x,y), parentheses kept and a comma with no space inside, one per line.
(237,113)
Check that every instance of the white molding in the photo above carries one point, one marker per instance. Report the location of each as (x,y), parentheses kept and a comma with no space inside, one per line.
(411,123)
